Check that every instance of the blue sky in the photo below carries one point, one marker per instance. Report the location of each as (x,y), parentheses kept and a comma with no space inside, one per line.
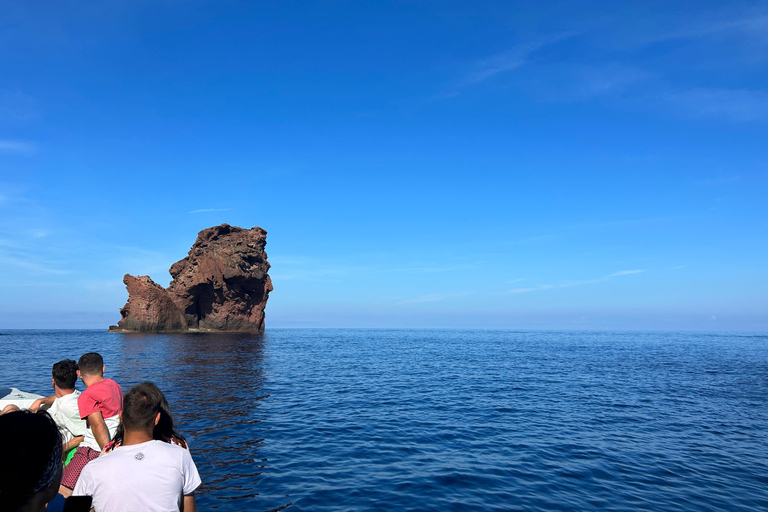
(568,165)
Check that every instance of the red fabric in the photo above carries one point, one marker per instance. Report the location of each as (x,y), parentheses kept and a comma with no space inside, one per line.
(105,396)
(83,455)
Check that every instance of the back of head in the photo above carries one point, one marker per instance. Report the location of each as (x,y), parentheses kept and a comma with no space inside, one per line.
(91,364)
(65,374)
(31,460)
(140,406)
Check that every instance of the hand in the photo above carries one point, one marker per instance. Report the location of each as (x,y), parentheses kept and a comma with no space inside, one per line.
(36,405)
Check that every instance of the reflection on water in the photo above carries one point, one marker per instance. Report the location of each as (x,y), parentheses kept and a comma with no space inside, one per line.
(213,384)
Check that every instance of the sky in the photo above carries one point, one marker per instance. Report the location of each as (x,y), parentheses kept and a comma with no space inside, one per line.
(437,164)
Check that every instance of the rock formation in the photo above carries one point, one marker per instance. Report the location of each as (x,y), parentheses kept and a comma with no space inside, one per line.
(149,308)
(222,285)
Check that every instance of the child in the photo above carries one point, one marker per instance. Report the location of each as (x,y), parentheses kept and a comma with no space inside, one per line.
(100,405)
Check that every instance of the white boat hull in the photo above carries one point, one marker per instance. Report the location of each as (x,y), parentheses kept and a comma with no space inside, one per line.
(20,399)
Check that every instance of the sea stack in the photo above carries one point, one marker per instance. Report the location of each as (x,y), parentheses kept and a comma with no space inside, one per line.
(222,285)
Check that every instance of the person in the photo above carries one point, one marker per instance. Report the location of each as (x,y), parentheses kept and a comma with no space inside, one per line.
(31,468)
(63,402)
(142,473)
(100,405)
(10,408)
(165,430)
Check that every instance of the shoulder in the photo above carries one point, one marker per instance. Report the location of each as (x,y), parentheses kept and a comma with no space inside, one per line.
(85,395)
(179,442)
(69,399)
(111,383)
(113,387)
(170,450)
(93,470)
(112,445)
(164,446)
(91,390)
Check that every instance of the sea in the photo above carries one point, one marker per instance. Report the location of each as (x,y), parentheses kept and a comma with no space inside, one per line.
(448,420)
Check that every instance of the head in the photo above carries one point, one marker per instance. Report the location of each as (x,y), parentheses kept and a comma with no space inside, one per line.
(90,365)
(31,472)
(65,374)
(142,407)
(164,429)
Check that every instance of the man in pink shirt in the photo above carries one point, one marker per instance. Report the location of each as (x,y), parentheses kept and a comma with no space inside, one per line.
(99,405)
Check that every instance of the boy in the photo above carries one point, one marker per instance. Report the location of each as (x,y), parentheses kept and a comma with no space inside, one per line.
(143,473)
(99,405)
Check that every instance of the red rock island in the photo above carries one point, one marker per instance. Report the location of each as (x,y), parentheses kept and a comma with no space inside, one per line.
(222,285)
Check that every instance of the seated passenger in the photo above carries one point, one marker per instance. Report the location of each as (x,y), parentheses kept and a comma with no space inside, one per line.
(31,468)
(142,473)
(165,430)
(63,402)
(100,405)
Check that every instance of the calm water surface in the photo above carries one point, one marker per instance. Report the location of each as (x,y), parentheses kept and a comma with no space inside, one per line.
(336,420)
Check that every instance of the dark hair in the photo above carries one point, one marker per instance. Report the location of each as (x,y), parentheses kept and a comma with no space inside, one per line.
(140,406)
(91,364)
(65,373)
(165,429)
(31,461)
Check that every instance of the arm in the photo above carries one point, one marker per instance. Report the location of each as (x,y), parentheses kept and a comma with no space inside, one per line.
(99,428)
(72,443)
(42,401)
(188,505)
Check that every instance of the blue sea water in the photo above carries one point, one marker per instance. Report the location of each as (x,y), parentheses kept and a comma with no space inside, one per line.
(360,420)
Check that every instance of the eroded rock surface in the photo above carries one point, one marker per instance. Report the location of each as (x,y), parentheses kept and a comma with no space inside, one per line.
(149,308)
(222,285)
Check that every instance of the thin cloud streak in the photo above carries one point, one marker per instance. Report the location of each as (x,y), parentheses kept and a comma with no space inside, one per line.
(29,265)
(744,26)
(206,210)
(510,60)
(624,273)
(740,105)
(569,284)
(16,146)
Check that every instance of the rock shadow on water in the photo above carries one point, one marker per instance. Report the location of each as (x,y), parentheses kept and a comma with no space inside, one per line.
(213,382)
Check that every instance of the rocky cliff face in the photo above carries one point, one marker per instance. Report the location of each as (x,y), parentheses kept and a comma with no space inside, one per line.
(149,307)
(222,285)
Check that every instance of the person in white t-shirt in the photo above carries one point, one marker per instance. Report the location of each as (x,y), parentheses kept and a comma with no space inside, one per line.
(142,473)
(63,402)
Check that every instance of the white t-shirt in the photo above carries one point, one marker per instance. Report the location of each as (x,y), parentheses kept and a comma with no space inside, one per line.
(67,417)
(90,440)
(152,477)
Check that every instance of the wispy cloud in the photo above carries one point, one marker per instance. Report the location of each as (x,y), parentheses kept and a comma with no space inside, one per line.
(730,104)
(568,284)
(749,26)
(622,273)
(29,264)
(303,268)
(537,288)
(206,210)
(488,67)
(39,233)
(16,146)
